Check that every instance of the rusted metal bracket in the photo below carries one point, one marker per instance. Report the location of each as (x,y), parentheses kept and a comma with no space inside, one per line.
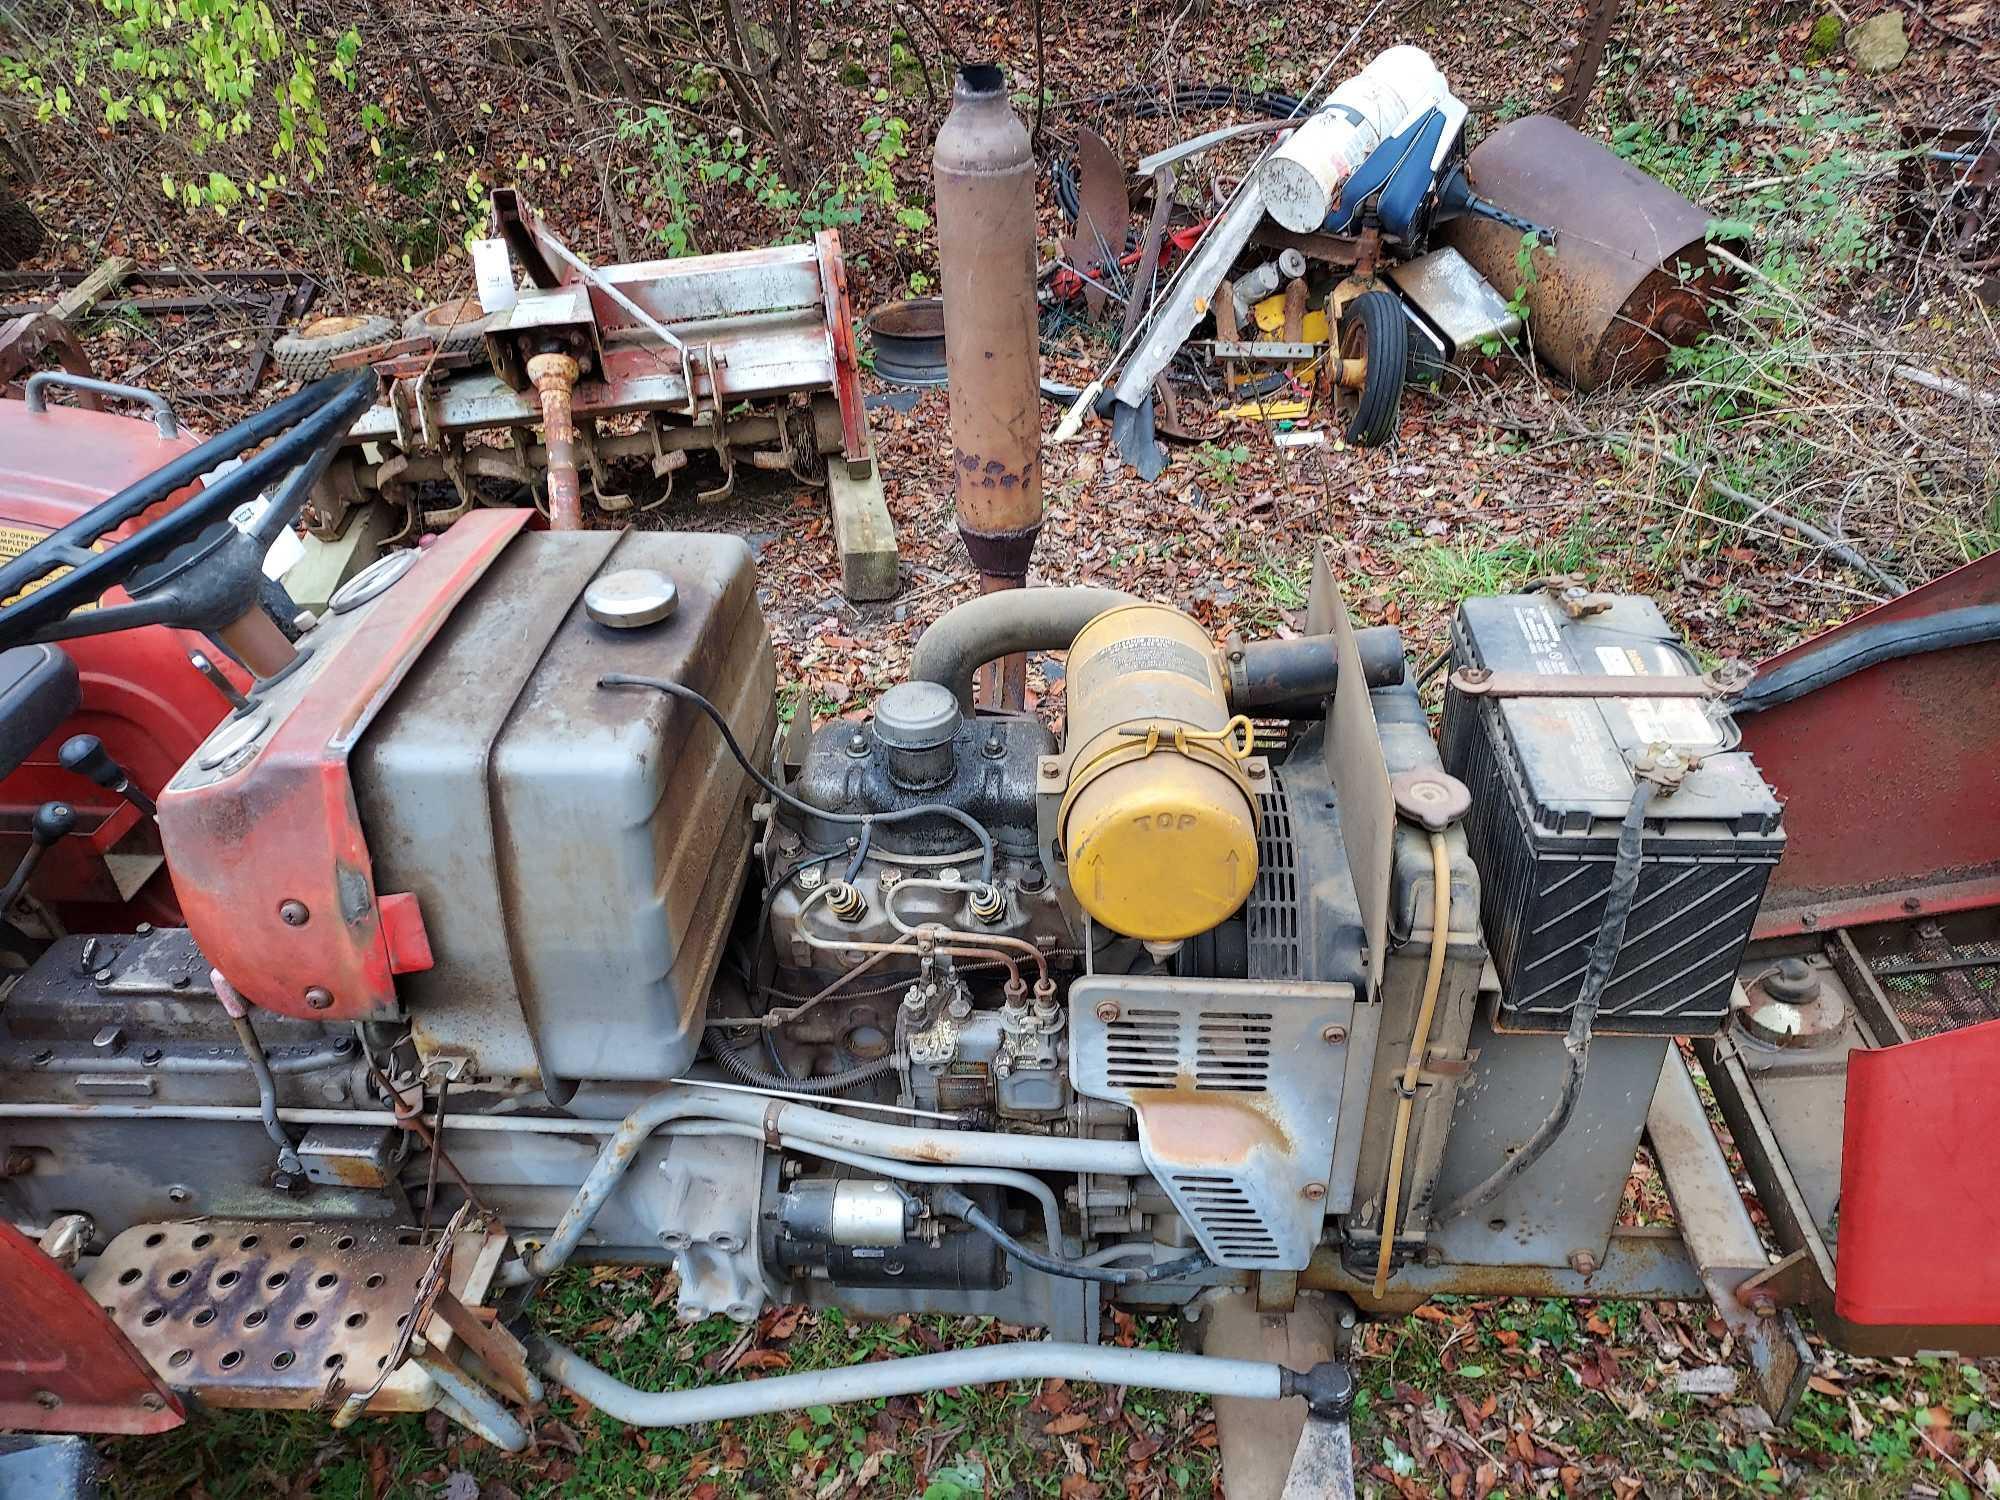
(1726,681)
(1789,1283)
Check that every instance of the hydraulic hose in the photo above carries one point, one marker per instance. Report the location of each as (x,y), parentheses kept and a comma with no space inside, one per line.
(1851,651)
(1618,901)
(950,1200)
(1420,1041)
(1197,1374)
(863,820)
(968,636)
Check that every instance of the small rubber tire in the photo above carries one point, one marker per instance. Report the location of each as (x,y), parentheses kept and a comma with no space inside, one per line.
(1373,328)
(308,355)
(459,323)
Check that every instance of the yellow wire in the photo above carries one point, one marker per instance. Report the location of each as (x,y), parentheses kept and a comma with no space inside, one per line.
(1420,1041)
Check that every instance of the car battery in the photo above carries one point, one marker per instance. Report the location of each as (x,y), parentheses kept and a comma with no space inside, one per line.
(1552,778)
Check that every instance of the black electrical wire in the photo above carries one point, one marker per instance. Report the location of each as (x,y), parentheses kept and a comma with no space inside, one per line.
(1618,902)
(865,820)
(950,1200)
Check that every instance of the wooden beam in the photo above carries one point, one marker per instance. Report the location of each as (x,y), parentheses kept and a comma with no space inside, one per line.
(862,530)
(106,279)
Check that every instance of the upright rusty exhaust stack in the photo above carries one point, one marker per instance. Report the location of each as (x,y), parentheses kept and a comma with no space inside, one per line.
(985,175)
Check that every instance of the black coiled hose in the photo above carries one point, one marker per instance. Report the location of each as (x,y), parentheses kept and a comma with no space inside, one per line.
(739,1067)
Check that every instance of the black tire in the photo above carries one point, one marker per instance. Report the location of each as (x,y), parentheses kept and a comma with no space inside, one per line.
(459,323)
(308,355)
(1372,328)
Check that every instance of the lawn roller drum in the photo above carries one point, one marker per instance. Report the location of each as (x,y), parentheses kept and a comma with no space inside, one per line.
(1629,277)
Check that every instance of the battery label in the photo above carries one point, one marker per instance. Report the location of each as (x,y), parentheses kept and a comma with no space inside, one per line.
(1659,721)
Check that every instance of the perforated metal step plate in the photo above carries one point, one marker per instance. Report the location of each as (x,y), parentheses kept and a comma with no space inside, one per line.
(264,1314)
(1236,1085)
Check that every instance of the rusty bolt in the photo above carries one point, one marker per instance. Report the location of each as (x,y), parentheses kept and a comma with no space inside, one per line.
(18,1164)
(294,913)
(1313,1191)
(47,1400)
(1255,771)
(319,997)
(1107,1010)
(1911,903)
(1050,771)
(1762,1305)
(1333,1036)
(1433,1256)
(1583,1263)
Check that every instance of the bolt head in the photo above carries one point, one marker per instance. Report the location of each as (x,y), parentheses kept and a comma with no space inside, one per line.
(1107,1010)
(47,1400)
(319,997)
(1313,1191)
(1763,1305)
(294,913)
(1333,1036)
(1583,1263)
(1911,903)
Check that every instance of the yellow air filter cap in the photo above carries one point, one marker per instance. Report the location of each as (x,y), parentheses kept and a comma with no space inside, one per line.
(1160,848)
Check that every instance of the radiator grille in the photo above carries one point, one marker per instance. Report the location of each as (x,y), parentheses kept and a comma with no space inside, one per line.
(1272,913)
(1225,1212)
(1142,1049)
(1232,1052)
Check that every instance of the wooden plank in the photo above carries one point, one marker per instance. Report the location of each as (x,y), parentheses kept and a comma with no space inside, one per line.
(107,278)
(862,531)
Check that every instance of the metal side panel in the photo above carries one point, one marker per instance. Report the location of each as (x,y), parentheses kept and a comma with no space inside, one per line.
(1237,1087)
(1567,1203)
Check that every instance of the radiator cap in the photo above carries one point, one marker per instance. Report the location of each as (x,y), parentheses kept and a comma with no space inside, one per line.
(630,598)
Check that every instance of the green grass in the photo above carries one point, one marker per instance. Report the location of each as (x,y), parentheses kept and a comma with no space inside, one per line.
(1581,1383)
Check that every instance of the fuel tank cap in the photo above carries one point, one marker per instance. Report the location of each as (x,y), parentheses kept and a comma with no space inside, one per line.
(629,598)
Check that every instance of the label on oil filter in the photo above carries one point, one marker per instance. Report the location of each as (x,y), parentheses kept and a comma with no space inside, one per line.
(1659,721)
(1141,653)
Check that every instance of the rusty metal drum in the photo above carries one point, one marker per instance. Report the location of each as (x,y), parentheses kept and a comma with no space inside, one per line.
(1629,277)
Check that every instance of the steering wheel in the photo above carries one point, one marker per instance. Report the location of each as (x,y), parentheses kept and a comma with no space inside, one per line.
(177,572)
